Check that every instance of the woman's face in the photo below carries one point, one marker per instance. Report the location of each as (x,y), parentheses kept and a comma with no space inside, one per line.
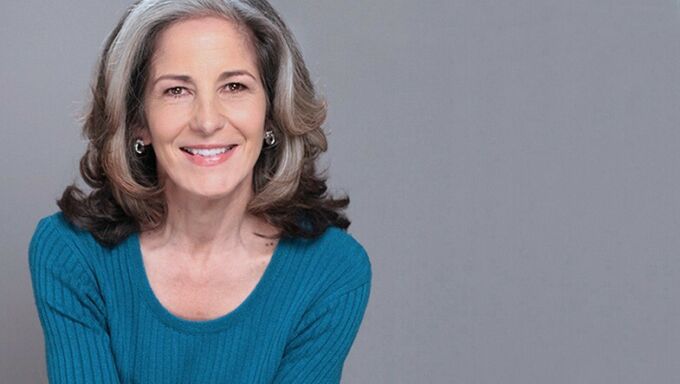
(205,108)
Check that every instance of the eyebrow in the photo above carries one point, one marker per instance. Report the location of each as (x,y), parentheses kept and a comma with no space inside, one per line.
(223,76)
(227,74)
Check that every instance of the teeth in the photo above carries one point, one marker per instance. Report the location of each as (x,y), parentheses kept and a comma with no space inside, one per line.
(208,152)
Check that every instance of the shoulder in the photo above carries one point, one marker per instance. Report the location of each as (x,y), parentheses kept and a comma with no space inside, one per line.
(336,257)
(56,241)
(56,227)
(63,271)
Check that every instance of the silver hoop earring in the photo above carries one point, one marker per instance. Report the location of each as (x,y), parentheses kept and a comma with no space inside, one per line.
(269,138)
(139,146)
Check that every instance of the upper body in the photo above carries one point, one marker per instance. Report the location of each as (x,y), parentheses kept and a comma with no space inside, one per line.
(104,323)
(208,249)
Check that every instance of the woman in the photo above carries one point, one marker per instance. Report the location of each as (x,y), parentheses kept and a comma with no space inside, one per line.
(207,250)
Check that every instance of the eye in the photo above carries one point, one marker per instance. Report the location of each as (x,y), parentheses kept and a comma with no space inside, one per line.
(235,87)
(175,91)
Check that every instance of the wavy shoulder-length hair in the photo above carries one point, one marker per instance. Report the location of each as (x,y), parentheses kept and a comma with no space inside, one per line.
(126,194)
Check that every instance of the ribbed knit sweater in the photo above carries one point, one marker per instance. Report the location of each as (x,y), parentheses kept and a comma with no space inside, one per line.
(102,322)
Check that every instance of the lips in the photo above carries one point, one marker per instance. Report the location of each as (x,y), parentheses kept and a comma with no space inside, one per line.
(209,155)
(207,151)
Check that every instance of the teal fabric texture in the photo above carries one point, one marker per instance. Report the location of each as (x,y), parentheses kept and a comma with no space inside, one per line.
(103,324)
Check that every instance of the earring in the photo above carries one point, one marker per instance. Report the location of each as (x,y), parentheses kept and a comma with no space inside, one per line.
(139,146)
(269,138)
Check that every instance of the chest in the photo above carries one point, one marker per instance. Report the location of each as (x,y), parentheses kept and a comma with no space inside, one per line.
(204,294)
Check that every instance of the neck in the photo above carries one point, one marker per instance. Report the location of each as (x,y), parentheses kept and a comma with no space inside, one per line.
(203,228)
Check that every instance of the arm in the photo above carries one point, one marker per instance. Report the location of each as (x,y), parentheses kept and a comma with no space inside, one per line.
(71,310)
(317,351)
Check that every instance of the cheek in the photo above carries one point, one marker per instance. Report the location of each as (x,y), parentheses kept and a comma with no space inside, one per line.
(162,123)
(250,117)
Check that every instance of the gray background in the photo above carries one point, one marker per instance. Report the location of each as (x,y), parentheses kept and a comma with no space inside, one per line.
(512,167)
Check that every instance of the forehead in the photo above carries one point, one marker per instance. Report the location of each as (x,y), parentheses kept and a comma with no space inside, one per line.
(203,42)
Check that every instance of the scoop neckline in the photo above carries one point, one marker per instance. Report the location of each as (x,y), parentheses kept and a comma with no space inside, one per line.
(211,325)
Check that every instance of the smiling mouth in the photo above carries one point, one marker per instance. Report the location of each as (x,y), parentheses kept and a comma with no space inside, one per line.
(207,152)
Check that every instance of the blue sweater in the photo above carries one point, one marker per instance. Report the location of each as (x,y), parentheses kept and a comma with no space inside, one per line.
(103,324)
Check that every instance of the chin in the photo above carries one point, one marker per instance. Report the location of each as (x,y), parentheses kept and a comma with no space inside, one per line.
(194,185)
(215,189)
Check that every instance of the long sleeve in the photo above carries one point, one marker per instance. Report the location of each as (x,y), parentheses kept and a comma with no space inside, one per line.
(103,324)
(71,310)
(317,351)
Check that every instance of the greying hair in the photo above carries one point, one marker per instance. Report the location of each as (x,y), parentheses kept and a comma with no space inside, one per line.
(127,195)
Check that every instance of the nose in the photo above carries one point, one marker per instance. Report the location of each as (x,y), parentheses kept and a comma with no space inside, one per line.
(208,116)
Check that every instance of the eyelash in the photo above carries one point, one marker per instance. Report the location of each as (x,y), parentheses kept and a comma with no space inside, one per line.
(229,87)
(170,91)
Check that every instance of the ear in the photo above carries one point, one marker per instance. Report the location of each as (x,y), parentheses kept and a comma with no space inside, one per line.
(140,128)
(145,136)
(143,133)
